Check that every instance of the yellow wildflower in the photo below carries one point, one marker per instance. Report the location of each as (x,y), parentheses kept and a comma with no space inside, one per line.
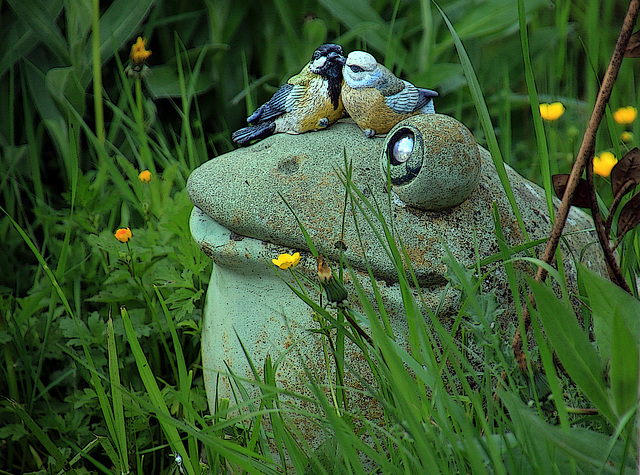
(123,234)
(139,53)
(603,164)
(551,112)
(625,115)
(284,261)
(145,176)
(626,136)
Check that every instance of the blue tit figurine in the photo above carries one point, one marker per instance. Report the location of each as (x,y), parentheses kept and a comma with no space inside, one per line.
(376,99)
(309,101)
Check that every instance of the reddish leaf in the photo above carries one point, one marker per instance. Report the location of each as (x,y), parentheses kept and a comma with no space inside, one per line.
(627,169)
(633,48)
(581,195)
(629,216)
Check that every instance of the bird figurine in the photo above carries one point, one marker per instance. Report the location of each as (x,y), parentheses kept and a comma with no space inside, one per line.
(310,100)
(376,99)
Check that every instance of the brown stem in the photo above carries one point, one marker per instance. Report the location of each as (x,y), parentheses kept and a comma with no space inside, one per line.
(610,258)
(363,334)
(617,243)
(615,203)
(584,157)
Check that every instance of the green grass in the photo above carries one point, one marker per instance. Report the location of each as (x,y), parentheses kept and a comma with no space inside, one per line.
(101,369)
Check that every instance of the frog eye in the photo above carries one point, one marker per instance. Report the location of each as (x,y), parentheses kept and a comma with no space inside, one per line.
(404,154)
(432,161)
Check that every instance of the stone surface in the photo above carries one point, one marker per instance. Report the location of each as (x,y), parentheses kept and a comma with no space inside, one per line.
(242,222)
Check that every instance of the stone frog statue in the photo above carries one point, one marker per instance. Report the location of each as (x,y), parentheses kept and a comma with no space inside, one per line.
(443,187)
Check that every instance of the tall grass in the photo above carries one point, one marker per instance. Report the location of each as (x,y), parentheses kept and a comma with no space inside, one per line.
(100,339)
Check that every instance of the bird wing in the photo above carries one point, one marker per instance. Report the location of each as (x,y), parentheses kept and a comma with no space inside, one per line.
(405,100)
(274,107)
(284,99)
(411,99)
(294,97)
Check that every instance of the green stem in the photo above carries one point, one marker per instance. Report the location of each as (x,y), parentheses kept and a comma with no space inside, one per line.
(140,116)
(145,151)
(543,151)
(97,74)
(132,270)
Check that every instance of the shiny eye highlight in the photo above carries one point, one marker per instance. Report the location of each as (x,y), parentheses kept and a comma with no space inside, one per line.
(402,148)
(355,68)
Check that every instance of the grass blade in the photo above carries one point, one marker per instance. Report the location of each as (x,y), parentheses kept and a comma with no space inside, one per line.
(120,432)
(155,395)
(485,119)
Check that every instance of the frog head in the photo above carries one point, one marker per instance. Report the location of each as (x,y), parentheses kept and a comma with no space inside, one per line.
(427,186)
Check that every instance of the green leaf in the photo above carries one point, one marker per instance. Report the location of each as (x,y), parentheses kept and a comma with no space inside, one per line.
(554,450)
(327,458)
(41,436)
(63,83)
(624,365)
(21,40)
(92,332)
(495,16)
(485,118)
(579,357)
(605,299)
(38,15)
(357,13)
(13,432)
(164,80)
(46,106)
(315,32)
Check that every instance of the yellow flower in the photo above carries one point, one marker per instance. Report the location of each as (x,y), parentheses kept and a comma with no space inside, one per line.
(139,53)
(603,164)
(123,234)
(625,115)
(551,112)
(284,261)
(626,136)
(145,176)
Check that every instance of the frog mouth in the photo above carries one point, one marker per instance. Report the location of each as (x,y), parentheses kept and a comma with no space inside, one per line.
(230,249)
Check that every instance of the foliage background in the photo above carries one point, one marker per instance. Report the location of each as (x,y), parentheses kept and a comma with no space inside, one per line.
(68,188)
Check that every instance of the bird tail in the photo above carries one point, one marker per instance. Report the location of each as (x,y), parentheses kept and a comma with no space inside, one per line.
(254,132)
(426,101)
(429,108)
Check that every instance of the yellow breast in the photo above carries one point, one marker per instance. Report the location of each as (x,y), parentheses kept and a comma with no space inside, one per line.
(367,108)
(313,106)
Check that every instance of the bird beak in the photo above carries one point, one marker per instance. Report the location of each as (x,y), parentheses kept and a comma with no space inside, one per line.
(337,58)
